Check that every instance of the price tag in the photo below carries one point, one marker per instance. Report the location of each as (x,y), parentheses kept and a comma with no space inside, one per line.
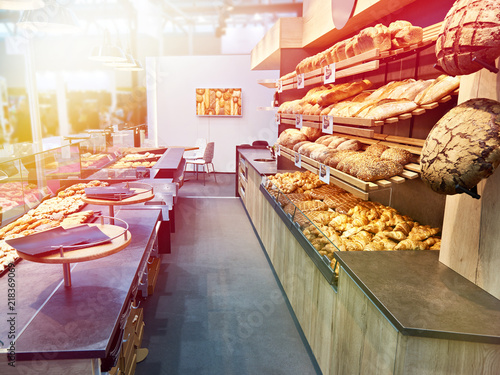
(298,121)
(329,73)
(327,124)
(31,200)
(46,191)
(324,173)
(279,85)
(300,81)
(277,118)
(278,150)
(298,160)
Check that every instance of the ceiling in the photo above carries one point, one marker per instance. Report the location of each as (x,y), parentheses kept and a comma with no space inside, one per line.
(163,17)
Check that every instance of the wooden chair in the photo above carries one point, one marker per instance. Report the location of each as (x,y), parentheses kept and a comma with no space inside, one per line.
(205,161)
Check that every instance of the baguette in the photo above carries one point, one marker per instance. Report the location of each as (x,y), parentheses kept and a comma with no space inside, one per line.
(343,91)
(442,86)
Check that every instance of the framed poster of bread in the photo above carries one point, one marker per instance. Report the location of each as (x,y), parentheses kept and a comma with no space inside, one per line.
(218,102)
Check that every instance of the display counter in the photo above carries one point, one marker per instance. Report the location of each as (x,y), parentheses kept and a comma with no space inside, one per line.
(81,327)
(387,312)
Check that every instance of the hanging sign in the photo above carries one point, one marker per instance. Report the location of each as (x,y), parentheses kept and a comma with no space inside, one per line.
(298,121)
(300,81)
(329,73)
(298,160)
(324,173)
(327,124)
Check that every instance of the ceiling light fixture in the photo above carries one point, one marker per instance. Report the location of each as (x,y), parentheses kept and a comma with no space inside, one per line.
(107,52)
(137,68)
(21,4)
(52,18)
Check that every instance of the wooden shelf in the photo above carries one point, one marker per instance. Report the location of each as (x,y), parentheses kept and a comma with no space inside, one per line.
(354,185)
(363,63)
(315,121)
(285,33)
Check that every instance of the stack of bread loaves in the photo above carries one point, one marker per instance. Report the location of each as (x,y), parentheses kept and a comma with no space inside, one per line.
(399,34)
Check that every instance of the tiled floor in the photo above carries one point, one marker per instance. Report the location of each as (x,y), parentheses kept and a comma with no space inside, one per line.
(217,307)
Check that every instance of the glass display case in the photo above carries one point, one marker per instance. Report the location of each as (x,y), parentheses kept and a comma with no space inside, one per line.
(316,243)
(25,180)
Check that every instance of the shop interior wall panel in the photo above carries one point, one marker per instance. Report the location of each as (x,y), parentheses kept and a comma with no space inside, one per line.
(471,227)
(177,79)
(285,33)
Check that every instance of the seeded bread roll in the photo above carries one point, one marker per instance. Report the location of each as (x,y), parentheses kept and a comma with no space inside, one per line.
(397,155)
(463,147)
(471,29)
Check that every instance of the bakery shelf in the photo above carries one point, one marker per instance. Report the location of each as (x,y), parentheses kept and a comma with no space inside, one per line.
(365,62)
(315,121)
(353,185)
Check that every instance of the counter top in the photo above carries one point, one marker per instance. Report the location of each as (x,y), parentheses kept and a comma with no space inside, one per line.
(263,168)
(428,299)
(56,322)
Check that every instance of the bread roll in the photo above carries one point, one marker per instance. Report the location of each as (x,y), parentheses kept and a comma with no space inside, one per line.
(311,133)
(463,147)
(290,137)
(471,29)
(343,91)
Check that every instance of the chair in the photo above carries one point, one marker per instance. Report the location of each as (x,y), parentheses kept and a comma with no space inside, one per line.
(260,143)
(208,156)
(201,143)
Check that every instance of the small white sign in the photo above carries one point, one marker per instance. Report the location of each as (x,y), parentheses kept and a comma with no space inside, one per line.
(279,84)
(298,160)
(277,118)
(324,173)
(329,73)
(300,81)
(327,124)
(278,150)
(298,121)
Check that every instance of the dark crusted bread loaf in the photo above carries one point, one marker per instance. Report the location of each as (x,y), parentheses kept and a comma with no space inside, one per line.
(470,29)
(463,147)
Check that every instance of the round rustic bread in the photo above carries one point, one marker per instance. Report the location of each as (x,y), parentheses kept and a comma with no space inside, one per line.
(463,147)
(470,29)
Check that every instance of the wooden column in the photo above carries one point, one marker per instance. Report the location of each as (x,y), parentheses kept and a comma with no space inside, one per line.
(471,228)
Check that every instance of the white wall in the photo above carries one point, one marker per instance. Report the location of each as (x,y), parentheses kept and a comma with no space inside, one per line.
(172,120)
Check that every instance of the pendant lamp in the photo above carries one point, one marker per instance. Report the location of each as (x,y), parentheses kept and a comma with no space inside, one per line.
(21,4)
(136,68)
(107,51)
(52,18)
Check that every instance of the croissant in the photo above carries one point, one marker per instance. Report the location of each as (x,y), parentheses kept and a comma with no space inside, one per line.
(422,232)
(353,245)
(363,237)
(410,244)
(360,221)
(375,246)
(388,244)
(375,227)
(404,227)
(436,246)
(396,235)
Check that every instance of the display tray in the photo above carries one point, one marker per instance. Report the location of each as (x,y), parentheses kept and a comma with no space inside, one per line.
(322,262)
(110,192)
(51,240)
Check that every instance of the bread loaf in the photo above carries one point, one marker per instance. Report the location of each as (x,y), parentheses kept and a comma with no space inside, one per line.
(343,91)
(370,38)
(404,34)
(440,87)
(471,29)
(290,137)
(463,147)
(311,133)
